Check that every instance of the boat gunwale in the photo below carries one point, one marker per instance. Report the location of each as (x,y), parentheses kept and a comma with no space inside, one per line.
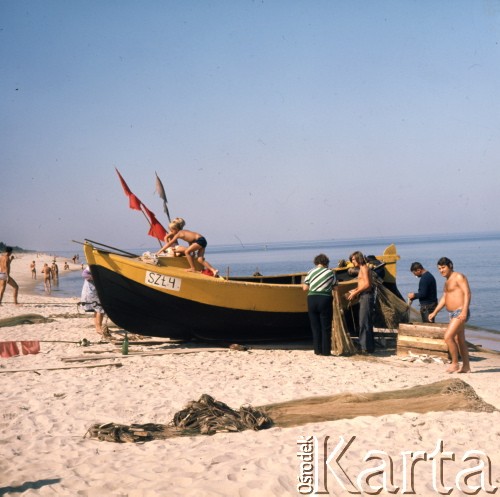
(243,280)
(181,272)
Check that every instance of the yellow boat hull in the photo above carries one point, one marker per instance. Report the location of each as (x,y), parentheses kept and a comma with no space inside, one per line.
(165,300)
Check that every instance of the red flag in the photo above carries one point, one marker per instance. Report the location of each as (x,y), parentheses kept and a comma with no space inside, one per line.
(156,230)
(134,202)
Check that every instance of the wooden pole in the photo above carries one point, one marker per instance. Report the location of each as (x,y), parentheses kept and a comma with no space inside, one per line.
(117,364)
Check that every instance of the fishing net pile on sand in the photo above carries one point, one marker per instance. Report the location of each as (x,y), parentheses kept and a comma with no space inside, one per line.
(208,416)
(390,310)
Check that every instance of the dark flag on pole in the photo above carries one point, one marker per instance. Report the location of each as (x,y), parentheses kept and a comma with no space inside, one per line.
(156,230)
(161,192)
(134,202)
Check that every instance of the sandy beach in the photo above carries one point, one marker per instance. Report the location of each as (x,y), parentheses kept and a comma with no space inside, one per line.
(46,411)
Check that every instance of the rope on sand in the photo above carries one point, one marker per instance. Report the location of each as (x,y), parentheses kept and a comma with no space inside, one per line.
(45,304)
(54,304)
(55,368)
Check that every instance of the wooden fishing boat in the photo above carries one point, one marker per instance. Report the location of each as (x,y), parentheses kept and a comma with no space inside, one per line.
(158,297)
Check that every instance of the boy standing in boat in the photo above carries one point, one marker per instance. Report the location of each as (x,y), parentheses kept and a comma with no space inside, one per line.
(456,298)
(197,244)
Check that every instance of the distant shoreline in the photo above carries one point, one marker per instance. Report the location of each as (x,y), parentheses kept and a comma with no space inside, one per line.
(334,242)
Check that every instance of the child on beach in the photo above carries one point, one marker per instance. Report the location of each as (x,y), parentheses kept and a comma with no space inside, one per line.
(197,245)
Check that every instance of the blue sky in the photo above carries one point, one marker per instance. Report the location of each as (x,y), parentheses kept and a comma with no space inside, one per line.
(266,120)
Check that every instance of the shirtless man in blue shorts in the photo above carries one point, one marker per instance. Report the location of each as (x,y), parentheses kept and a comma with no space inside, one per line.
(456,298)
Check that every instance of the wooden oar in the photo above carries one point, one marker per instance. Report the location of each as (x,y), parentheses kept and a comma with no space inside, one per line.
(107,246)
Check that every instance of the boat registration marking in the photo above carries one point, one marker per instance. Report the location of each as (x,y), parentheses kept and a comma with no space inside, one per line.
(163,281)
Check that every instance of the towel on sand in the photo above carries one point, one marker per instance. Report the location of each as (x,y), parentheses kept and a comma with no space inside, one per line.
(10,349)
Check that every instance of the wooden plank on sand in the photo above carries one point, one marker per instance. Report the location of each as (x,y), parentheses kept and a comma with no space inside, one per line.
(423,343)
(119,341)
(422,338)
(429,330)
(141,354)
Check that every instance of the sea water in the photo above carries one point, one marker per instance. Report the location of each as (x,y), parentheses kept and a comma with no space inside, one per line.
(477,256)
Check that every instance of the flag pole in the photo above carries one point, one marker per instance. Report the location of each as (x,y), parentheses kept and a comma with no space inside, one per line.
(150,224)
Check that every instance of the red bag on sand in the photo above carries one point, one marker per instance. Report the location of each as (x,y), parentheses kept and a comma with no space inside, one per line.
(30,347)
(8,349)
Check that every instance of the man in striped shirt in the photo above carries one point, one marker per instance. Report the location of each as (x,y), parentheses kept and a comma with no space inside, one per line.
(318,283)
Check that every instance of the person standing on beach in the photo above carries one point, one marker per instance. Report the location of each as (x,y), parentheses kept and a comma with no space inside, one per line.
(456,298)
(33,270)
(318,284)
(5,277)
(55,271)
(90,301)
(364,291)
(47,276)
(427,291)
